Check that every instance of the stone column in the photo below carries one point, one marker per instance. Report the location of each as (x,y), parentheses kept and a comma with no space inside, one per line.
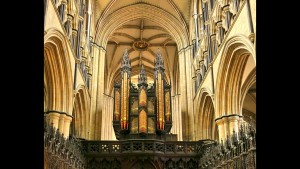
(201,25)
(226,127)
(183,96)
(85,75)
(68,26)
(227,21)
(53,118)
(62,9)
(111,104)
(202,68)
(221,128)
(199,79)
(206,59)
(103,129)
(213,46)
(179,119)
(174,116)
(79,33)
(67,122)
(233,124)
(234,5)
(56,2)
(220,31)
(105,118)
(93,89)
(108,131)
(61,122)
(189,82)
(89,77)
(74,40)
(195,84)
(195,16)
(45,10)
(100,91)
(250,22)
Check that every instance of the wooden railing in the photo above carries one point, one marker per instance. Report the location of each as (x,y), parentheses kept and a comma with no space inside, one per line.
(237,151)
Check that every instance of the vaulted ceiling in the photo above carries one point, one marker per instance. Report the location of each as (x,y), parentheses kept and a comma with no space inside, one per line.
(177,8)
(141,37)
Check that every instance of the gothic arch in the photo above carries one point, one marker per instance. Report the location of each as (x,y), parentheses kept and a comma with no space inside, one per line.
(251,79)
(81,112)
(57,72)
(237,50)
(205,115)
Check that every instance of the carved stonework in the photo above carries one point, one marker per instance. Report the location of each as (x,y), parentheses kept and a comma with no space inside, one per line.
(60,152)
(237,152)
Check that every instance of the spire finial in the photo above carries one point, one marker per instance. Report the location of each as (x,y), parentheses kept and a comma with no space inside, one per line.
(158,62)
(142,78)
(125,65)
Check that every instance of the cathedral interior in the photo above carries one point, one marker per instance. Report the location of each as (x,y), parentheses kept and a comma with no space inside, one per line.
(149,84)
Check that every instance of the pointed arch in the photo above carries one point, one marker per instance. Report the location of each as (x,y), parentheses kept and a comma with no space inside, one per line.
(57,72)
(81,112)
(237,50)
(251,79)
(205,115)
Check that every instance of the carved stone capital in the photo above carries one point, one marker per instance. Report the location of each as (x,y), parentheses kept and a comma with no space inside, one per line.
(205,54)
(70,17)
(213,37)
(225,8)
(74,32)
(252,37)
(77,61)
(220,121)
(219,24)
(195,16)
(64,2)
(54,114)
(68,118)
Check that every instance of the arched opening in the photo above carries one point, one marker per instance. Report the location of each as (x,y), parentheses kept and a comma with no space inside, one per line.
(57,74)
(249,106)
(205,118)
(248,99)
(236,64)
(80,114)
(233,67)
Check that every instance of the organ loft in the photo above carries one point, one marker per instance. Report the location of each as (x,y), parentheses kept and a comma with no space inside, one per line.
(142,111)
